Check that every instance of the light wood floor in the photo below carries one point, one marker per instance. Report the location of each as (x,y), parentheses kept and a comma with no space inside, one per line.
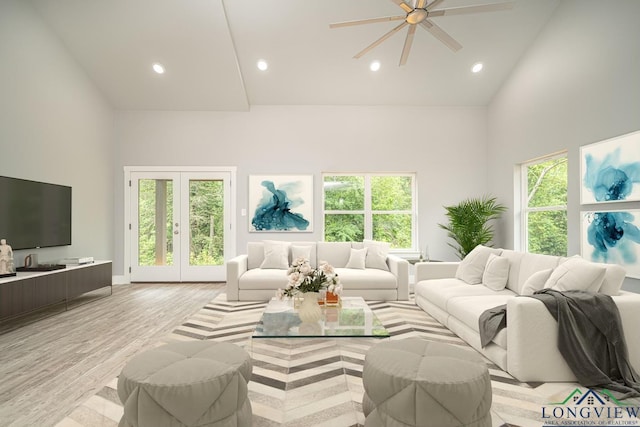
(50,366)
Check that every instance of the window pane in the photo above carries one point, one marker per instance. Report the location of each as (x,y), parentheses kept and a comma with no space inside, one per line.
(389,193)
(393,228)
(547,183)
(206,211)
(547,232)
(343,227)
(343,193)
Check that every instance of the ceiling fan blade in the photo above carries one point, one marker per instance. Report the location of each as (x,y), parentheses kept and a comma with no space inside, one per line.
(420,4)
(381,39)
(433,4)
(441,35)
(491,7)
(367,21)
(407,45)
(403,5)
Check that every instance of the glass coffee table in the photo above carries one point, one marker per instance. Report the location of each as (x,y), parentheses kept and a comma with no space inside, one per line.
(352,319)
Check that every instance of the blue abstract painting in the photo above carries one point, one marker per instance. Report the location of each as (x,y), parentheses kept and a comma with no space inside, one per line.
(281,203)
(610,170)
(613,237)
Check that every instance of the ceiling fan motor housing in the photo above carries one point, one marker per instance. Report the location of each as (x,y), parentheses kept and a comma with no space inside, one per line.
(416,16)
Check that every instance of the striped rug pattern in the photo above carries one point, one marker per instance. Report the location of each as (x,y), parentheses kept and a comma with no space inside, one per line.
(318,382)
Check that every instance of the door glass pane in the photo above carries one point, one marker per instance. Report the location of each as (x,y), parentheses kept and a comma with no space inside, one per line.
(155,222)
(393,228)
(206,222)
(343,227)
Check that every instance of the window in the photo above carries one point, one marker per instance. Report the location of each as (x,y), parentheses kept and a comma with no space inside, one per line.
(544,206)
(370,206)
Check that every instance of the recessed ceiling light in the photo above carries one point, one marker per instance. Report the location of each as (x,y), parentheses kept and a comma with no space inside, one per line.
(477,67)
(375,66)
(158,68)
(262,65)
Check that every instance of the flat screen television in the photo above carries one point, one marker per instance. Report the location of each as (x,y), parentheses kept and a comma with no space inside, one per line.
(34,214)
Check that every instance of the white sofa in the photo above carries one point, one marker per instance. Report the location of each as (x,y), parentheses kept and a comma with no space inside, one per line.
(526,348)
(246,281)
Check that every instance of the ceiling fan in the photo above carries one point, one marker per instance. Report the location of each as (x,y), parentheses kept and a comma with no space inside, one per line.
(420,14)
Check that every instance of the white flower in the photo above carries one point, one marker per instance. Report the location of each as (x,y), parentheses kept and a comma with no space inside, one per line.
(305,269)
(280,294)
(295,278)
(327,268)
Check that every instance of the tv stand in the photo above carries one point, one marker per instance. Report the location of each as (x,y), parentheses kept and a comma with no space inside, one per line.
(41,267)
(32,291)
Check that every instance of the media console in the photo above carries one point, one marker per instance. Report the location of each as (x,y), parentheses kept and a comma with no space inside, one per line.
(31,291)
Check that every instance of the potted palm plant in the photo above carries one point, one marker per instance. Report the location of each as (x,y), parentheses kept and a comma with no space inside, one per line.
(469,223)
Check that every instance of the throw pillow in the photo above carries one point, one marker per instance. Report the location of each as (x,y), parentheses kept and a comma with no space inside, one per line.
(613,279)
(576,274)
(300,252)
(496,272)
(276,255)
(376,254)
(536,281)
(357,259)
(471,268)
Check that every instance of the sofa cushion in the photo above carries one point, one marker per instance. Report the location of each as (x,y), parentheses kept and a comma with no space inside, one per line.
(335,253)
(440,291)
(613,279)
(496,273)
(471,268)
(536,281)
(531,263)
(576,273)
(376,254)
(357,259)
(369,278)
(299,251)
(276,255)
(259,278)
(468,309)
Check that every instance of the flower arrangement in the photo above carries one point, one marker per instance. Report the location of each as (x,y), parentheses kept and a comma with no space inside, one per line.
(303,278)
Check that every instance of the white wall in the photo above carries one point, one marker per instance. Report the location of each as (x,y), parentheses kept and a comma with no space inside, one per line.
(55,127)
(445,146)
(579,83)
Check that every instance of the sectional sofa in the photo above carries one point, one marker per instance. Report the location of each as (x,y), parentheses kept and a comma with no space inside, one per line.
(365,269)
(457,293)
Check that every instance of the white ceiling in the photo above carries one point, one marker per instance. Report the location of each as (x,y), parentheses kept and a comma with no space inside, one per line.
(210,49)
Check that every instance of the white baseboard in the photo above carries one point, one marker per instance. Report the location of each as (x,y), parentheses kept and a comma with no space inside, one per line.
(119,280)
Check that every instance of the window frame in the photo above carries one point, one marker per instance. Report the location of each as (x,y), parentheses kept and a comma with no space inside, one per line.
(524,194)
(368,212)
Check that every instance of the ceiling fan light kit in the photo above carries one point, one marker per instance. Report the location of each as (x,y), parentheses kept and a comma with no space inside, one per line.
(420,14)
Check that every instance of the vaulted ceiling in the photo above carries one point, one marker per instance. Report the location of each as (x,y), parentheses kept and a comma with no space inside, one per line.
(210,48)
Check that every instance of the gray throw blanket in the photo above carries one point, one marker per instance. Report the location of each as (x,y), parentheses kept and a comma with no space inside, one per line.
(590,338)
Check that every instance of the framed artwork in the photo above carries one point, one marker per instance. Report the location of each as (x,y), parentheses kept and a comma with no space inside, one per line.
(280,203)
(610,170)
(612,237)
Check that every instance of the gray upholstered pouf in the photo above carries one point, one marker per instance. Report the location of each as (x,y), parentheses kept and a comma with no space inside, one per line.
(414,382)
(197,383)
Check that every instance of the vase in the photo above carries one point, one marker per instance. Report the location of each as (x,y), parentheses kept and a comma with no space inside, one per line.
(309,310)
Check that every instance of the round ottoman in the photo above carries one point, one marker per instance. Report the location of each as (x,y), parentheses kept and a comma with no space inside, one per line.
(413,382)
(196,383)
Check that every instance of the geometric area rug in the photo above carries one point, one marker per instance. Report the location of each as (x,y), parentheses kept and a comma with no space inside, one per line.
(318,382)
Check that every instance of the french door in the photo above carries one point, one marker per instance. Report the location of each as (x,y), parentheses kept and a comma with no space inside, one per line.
(180,225)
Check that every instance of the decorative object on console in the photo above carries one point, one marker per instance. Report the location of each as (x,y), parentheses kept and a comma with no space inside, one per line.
(281,203)
(612,237)
(31,261)
(610,170)
(468,223)
(6,259)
